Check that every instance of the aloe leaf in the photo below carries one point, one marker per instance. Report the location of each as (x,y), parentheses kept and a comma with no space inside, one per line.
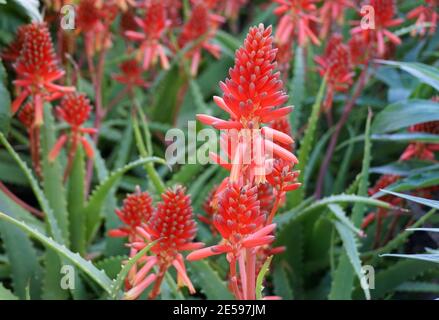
(98,276)
(296,197)
(119,281)
(5,102)
(261,277)
(209,281)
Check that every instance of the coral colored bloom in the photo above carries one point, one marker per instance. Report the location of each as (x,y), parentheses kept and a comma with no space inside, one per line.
(75,110)
(252,96)
(240,223)
(384,12)
(153,27)
(197,32)
(131,74)
(332,11)
(37,69)
(12,52)
(173,225)
(420,150)
(427,13)
(296,18)
(336,65)
(137,209)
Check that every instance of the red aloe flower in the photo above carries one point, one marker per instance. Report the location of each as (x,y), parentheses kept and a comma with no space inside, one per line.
(425,13)
(265,197)
(283,125)
(137,209)
(131,74)
(359,49)
(332,11)
(153,26)
(12,52)
(198,31)
(173,226)
(296,19)
(37,69)
(74,109)
(336,65)
(384,18)
(252,96)
(420,150)
(240,222)
(283,179)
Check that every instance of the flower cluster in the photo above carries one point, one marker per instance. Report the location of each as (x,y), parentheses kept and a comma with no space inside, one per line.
(242,207)
(252,96)
(336,65)
(153,27)
(75,110)
(297,18)
(384,18)
(170,224)
(198,31)
(37,69)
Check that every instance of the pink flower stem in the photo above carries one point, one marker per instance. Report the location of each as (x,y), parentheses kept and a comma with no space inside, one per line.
(96,76)
(361,83)
(157,284)
(251,273)
(71,155)
(274,209)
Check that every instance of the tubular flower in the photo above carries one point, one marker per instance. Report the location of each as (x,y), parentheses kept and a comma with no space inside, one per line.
(137,209)
(336,65)
(131,74)
(252,96)
(425,13)
(198,30)
(332,11)
(384,12)
(153,26)
(283,125)
(173,227)
(420,150)
(37,69)
(296,19)
(240,223)
(74,109)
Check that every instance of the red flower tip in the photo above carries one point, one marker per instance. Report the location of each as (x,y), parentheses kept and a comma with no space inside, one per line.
(425,13)
(12,52)
(254,90)
(297,17)
(74,109)
(153,26)
(137,208)
(172,223)
(239,213)
(282,177)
